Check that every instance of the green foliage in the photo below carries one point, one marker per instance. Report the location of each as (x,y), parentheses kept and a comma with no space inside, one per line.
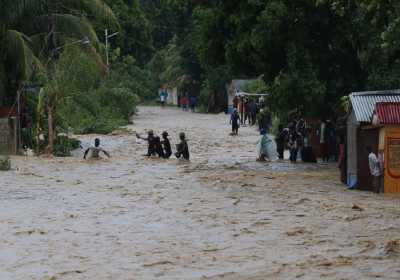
(32,30)
(257,86)
(64,145)
(134,36)
(298,87)
(5,163)
(93,104)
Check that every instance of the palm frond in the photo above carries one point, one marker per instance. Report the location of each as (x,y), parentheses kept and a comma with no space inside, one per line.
(12,11)
(16,54)
(93,9)
(70,26)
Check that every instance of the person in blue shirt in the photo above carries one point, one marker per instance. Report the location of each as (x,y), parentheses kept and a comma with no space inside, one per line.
(163,97)
(193,103)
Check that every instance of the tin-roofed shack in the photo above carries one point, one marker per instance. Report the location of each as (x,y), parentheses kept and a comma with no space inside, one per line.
(362,133)
(387,118)
(233,88)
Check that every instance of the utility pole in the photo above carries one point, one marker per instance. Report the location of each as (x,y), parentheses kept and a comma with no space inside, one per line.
(107,46)
(18,145)
(107,59)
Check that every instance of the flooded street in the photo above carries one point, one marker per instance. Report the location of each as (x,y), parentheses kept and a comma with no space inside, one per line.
(221,216)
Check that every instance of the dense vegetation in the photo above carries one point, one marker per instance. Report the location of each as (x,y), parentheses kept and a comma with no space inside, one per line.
(306,53)
(309,53)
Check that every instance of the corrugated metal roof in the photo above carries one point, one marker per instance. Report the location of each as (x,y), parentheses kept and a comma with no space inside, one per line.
(240,84)
(364,103)
(388,113)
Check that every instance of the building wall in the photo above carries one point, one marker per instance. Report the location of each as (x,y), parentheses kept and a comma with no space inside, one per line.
(367,136)
(392,159)
(4,135)
(172,96)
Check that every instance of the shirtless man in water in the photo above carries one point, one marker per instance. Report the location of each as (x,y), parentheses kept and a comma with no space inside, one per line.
(151,150)
(95,151)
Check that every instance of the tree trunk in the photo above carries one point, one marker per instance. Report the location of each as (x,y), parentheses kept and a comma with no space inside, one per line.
(211,103)
(51,128)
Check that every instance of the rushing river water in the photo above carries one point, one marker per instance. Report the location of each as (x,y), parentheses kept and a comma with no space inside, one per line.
(221,216)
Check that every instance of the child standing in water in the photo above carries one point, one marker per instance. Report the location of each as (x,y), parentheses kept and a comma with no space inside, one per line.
(182,148)
(95,151)
(235,122)
(158,147)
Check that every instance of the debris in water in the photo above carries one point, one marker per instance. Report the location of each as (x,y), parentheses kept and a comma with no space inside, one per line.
(368,245)
(357,208)
(215,249)
(158,263)
(297,231)
(392,247)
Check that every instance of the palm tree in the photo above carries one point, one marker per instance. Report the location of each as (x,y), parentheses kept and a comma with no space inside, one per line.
(31,30)
(32,33)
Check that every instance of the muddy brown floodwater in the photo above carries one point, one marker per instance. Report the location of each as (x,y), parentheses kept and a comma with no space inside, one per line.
(221,216)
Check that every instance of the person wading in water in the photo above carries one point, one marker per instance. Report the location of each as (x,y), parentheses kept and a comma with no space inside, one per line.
(182,148)
(95,151)
(235,122)
(166,145)
(151,150)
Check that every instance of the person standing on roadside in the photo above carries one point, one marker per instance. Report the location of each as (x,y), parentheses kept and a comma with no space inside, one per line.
(375,170)
(185,102)
(240,109)
(323,139)
(247,111)
(253,112)
(293,144)
(280,142)
(193,103)
(235,102)
(342,164)
(163,97)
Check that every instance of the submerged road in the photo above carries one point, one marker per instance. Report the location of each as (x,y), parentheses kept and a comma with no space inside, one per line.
(221,216)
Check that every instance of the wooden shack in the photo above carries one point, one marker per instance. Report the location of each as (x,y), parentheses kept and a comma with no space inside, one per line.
(8,131)
(362,133)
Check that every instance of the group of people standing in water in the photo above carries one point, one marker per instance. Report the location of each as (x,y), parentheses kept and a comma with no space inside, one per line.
(162,147)
(156,147)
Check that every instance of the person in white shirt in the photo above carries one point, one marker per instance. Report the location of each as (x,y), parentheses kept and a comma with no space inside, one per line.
(95,151)
(375,170)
